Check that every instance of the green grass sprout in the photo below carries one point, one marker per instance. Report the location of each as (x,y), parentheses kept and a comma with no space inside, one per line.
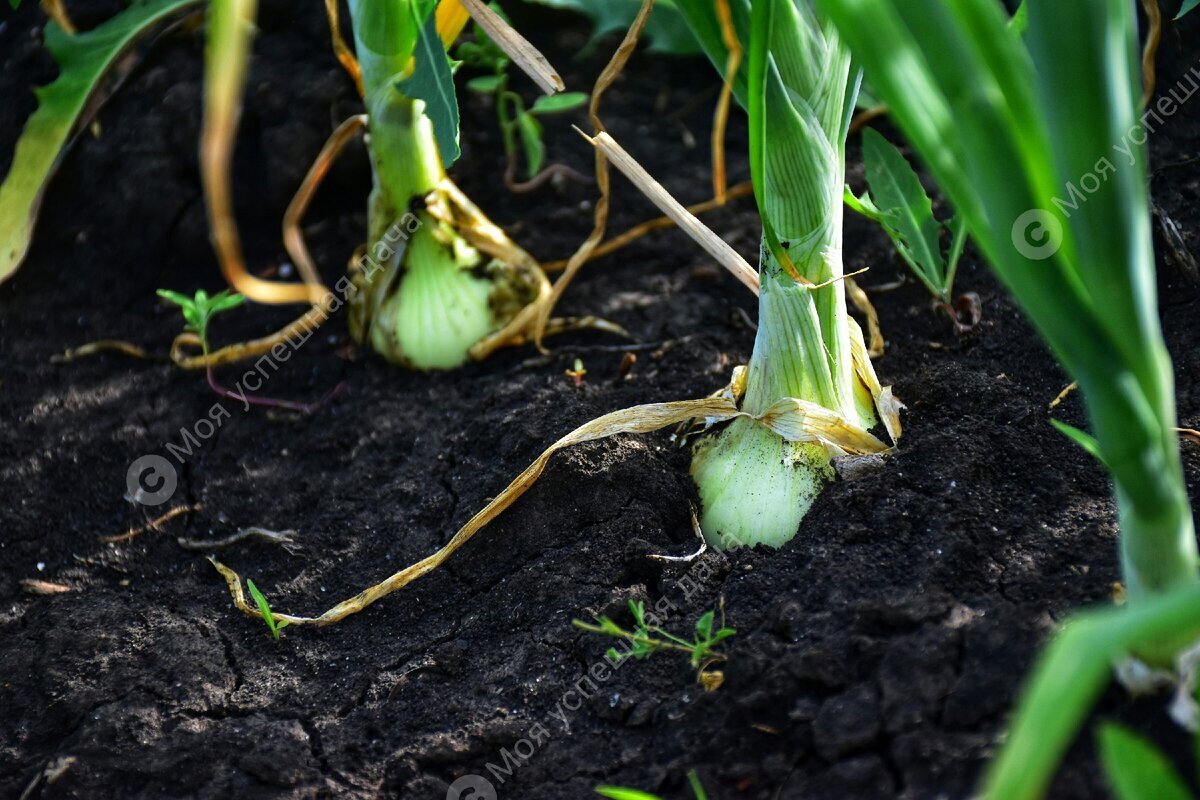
(623,793)
(198,312)
(263,606)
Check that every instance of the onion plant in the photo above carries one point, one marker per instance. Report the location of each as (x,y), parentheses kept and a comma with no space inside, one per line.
(425,300)
(1036,139)
(799,92)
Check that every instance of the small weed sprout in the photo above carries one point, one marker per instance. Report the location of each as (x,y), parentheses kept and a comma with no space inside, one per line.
(646,639)
(623,793)
(198,312)
(516,120)
(265,607)
(577,373)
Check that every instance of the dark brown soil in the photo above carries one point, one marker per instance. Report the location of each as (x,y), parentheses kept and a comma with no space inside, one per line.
(877,655)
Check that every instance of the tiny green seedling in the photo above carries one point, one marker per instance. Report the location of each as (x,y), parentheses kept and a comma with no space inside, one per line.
(265,607)
(646,639)
(516,121)
(199,309)
(577,373)
(198,312)
(898,202)
(623,793)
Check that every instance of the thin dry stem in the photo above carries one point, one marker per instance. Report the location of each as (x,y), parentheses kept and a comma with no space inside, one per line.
(1150,51)
(308,322)
(744,189)
(1070,387)
(344,56)
(222,110)
(103,346)
(725,255)
(153,525)
(865,117)
(721,114)
(793,419)
(56,11)
(293,236)
(600,217)
(515,46)
(863,303)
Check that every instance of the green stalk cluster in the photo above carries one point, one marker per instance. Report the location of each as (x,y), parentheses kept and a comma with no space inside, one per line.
(1012,118)
(755,487)
(1010,124)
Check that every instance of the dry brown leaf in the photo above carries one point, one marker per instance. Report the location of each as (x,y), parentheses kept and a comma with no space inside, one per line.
(515,46)
(714,245)
(35,586)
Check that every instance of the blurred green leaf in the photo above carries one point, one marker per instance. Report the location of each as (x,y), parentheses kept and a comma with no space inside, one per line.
(621,793)
(486,84)
(1136,769)
(1084,440)
(1188,5)
(558,103)
(531,140)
